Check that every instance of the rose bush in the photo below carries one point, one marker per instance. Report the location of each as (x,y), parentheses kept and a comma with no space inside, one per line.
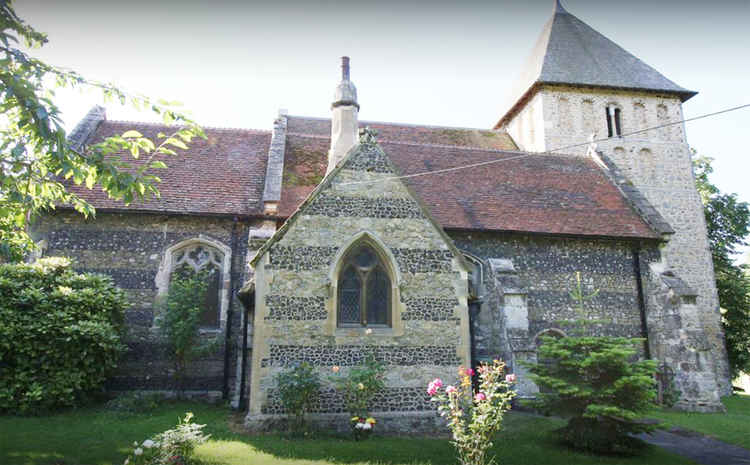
(299,388)
(474,417)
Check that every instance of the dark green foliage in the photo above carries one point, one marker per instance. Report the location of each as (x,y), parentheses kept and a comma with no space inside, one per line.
(60,335)
(596,382)
(728,224)
(180,321)
(298,388)
(131,403)
(599,385)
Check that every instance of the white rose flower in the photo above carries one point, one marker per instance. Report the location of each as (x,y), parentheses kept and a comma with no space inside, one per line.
(138,451)
(367,426)
(358,426)
(148,443)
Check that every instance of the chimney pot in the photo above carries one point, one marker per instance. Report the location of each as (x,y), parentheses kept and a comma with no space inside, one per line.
(344,68)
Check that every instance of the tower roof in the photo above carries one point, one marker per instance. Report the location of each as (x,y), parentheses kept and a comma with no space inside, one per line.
(570,51)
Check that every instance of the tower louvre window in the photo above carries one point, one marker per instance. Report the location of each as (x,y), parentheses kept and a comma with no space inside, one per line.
(614,121)
(618,125)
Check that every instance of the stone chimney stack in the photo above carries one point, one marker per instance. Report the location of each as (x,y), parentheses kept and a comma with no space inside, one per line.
(344,123)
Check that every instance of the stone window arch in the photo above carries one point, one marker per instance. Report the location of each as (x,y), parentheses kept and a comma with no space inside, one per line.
(365,288)
(212,261)
(364,285)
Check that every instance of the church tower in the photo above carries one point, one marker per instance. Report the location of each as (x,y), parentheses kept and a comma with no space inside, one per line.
(577,84)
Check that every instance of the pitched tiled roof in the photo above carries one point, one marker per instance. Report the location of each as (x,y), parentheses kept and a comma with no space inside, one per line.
(467,137)
(222,175)
(539,193)
(570,51)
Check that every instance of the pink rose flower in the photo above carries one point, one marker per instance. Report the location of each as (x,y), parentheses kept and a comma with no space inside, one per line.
(433,387)
(480,397)
(511,378)
(469,372)
(450,389)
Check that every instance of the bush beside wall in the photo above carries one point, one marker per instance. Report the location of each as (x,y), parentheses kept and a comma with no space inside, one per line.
(60,337)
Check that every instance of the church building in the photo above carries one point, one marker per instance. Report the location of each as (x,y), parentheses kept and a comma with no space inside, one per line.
(428,248)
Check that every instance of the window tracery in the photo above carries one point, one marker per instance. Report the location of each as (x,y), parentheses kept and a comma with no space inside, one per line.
(364,288)
(207,260)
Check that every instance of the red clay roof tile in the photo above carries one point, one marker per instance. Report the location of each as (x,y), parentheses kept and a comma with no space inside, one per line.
(222,175)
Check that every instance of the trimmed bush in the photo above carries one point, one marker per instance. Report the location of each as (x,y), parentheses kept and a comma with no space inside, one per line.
(60,335)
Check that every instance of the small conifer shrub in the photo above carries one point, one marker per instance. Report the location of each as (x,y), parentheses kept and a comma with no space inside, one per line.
(598,383)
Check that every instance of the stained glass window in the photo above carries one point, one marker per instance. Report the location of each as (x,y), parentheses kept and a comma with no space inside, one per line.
(364,290)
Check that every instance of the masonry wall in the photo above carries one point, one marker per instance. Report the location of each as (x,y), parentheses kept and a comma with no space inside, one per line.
(538,288)
(658,162)
(130,248)
(295,309)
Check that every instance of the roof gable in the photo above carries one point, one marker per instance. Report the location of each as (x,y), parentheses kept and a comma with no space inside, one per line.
(365,183)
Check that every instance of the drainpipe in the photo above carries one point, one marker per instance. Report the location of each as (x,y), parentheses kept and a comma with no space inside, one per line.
(230,311)
(641,300)
(474,307)
(248,310)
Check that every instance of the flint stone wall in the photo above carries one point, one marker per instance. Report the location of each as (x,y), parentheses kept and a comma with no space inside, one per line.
(130,248)
(543,277)
(295,306)
(658,162)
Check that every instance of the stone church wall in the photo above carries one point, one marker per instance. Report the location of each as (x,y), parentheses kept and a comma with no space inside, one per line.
(130,247)
(539,274)
(658,162)
(295,309)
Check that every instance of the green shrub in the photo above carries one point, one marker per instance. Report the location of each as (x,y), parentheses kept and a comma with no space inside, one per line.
(299,388)
(130,403)
(360,385)
(598,384)
(60,335)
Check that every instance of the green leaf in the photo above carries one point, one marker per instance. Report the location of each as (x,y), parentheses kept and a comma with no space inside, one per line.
(131,134)
(177,143)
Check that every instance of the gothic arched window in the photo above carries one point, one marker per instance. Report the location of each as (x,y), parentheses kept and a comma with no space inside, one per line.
(208,261)
(364,290)
(203,263)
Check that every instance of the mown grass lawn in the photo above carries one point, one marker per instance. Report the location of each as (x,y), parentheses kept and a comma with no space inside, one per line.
(96,436)
(732,427)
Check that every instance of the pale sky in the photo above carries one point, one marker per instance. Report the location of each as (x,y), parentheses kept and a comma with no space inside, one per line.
(234,64)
